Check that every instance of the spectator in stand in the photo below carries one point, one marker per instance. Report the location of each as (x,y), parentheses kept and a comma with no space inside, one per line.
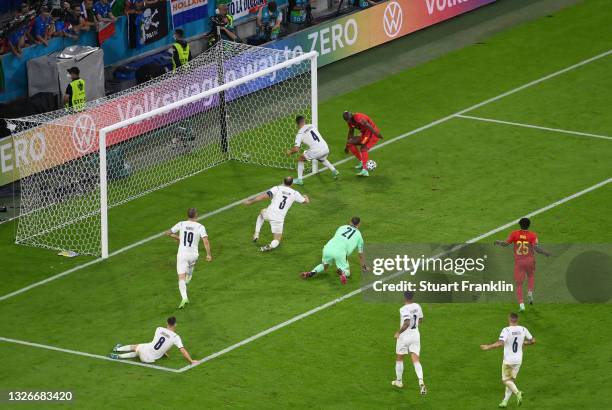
(269,19)
(103,11)
(88,13)
(61,26)
(363,4)
(42,27)
(181,54)
(299,11)
(75,19)
(133,7)
(21,31)
(17,40)
(225,22)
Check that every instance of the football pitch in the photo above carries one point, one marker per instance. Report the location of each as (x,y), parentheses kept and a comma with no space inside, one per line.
(518,125)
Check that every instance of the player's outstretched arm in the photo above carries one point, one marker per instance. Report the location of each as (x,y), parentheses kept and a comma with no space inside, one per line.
(173,236)
(362,262)
(186,355)
(306,199)
(207,247)
(538,249)
(258,198)
(292,151)
(497,344)
(501,243)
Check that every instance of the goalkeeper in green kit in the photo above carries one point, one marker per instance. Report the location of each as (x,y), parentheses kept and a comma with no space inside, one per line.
(346,239)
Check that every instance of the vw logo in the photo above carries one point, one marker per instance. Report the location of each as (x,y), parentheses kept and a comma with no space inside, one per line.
(84,134)
(392,19)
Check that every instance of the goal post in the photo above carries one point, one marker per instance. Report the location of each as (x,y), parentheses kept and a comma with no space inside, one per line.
(164,131)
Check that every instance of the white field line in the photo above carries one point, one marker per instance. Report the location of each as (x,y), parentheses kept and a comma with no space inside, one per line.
(95,356)
(380,145)
(309,312)
(537,127)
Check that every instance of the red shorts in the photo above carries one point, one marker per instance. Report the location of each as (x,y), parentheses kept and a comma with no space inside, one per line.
(522,268)
(368,139)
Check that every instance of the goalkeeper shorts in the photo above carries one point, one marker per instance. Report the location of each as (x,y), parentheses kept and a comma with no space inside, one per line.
(338,257)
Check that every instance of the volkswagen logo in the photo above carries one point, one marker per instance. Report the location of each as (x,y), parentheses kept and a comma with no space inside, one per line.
(84,134)
(392,19)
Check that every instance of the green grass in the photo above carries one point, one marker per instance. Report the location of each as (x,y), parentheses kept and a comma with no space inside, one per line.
(447,184)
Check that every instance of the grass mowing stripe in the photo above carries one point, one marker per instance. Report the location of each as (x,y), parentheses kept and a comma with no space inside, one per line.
(366,287)
(537,127)
(399,137)
(78,353)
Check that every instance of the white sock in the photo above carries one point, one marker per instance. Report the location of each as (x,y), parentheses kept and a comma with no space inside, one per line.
(183,288)
(300,169)
(128,355)
(510,384)
(328,165)
(508,394)
(418,369)
(274,244)
(126,348)
(259,224)
(399,370)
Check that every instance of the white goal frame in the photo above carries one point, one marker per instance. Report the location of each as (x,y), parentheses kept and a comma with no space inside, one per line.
(103,132)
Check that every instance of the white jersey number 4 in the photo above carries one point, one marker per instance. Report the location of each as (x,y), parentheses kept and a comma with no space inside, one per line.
(310,136)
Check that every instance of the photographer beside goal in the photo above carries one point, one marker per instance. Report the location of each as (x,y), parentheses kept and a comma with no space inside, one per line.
(317,148)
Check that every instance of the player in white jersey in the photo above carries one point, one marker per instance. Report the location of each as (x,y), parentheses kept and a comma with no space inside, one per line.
(164,339)
(317,148)
(512,338)
(281,198)
(188,234)
(409,341)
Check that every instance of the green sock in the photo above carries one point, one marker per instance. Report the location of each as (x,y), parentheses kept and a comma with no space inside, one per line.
(319,268)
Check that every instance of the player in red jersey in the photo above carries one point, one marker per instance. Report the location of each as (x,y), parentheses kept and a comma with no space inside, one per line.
(525,245)
(361,144)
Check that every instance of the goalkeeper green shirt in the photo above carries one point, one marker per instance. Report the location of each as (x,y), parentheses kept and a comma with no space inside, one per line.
(346,239)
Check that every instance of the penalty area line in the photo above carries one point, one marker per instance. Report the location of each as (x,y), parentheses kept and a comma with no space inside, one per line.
(536,127)
(342,161)
(366,287)
(91,355)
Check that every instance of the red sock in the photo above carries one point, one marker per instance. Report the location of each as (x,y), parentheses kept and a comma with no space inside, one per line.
(355,151)
(531,282)
(364,158)
(519,291)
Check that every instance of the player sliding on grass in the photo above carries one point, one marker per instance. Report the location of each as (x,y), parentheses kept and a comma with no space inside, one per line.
(409,341)
(360,145)
(317,148)
(187,234)
(164,339)
(346,239)
(512,339)
(525,243)
(281,197)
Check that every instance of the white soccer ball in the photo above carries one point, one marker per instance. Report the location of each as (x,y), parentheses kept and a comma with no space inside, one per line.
(371,165)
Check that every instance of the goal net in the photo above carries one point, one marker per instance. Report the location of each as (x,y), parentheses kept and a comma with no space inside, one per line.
(234,102)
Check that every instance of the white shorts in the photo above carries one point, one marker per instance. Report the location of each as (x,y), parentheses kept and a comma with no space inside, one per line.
(275,226)
(319,154)
(185,263)
(408,342)
(510,371)
(145,353)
